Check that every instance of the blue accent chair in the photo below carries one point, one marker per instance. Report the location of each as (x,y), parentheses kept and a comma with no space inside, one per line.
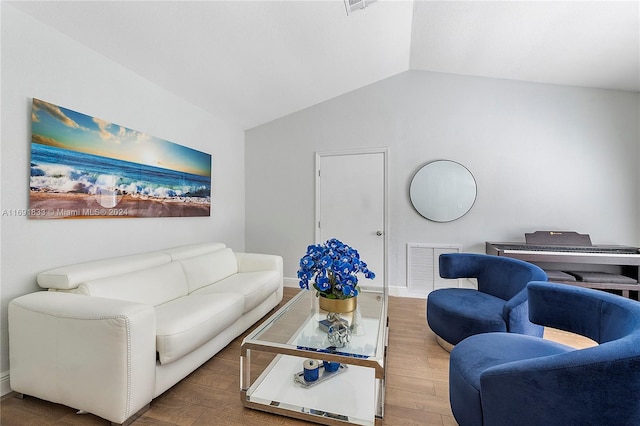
(506,379)
(499,303)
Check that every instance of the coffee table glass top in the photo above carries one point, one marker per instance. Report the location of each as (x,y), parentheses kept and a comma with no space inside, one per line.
(297,327)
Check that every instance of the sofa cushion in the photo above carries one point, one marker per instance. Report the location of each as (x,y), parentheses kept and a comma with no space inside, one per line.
(185,324)
(152,286)
(255,287)
(68,277)
(209,268)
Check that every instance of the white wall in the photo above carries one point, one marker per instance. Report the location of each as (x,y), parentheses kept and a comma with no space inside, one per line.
(40,62)
(545,157)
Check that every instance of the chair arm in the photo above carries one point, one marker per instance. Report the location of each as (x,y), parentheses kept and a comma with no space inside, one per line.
(592,313)
(460,265)
(89,353)
(516,315)
(521,298)
(579,387)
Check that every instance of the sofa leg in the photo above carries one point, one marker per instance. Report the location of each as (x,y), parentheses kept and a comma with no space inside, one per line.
(133,417)
(444,344)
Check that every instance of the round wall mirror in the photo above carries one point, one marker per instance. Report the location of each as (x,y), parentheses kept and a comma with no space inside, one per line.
(443,191)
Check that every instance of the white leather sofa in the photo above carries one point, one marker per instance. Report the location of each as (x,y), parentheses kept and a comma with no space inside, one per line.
(111,335)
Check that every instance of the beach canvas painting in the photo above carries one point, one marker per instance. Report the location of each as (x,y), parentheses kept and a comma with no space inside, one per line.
(86,167)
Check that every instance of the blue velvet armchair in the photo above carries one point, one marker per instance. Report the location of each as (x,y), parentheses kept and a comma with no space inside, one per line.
(505,379)
(499,303)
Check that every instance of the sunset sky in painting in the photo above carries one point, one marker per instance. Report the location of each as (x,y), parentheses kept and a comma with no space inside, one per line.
(64,128)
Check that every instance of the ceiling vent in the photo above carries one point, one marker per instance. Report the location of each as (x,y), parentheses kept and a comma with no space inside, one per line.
(353,5)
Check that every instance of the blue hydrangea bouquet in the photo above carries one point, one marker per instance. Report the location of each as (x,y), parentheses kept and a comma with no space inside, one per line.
(333,267)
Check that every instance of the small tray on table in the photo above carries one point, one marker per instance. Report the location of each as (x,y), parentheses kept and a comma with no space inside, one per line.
(323,375)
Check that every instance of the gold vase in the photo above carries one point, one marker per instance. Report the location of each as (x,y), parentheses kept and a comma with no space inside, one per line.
(339,306)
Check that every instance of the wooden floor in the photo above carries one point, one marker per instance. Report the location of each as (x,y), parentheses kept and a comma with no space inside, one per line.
(417,388)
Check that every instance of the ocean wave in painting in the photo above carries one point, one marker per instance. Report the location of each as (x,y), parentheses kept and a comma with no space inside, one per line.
(58,170)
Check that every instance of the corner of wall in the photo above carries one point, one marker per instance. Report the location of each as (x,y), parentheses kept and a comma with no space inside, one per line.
(5,385)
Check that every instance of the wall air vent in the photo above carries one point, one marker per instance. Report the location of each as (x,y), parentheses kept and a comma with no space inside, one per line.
(423,272)
(353,5)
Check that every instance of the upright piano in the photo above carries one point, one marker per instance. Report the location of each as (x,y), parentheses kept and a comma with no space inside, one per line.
(570,258)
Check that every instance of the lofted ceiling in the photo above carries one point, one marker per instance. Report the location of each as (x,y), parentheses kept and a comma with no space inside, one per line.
(255,61)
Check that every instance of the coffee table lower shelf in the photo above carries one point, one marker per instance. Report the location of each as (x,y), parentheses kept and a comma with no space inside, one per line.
(352,397)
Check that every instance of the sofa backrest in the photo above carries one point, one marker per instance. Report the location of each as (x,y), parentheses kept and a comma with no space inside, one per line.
(193,250)
(152,286)
(69,277)
(209,268)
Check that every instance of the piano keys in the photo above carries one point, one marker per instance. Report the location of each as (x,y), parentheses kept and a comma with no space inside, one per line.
(570,258)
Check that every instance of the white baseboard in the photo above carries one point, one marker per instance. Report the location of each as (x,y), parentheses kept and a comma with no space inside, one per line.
(404,292)
(5,387)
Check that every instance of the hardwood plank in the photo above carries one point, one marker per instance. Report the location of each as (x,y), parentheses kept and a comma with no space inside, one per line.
(569,339)
(417,384)
(408,416)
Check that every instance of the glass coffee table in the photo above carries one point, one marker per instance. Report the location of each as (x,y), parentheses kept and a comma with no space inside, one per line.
(276,350)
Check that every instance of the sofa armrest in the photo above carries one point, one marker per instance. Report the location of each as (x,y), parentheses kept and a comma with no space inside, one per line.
(89,353)
(254,262)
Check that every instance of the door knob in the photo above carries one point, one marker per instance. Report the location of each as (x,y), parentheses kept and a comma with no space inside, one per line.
(378,233)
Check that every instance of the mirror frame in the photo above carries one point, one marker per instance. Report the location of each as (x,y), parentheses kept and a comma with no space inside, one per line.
(443,191)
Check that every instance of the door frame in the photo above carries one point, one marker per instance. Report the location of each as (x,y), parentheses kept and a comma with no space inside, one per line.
(359,151)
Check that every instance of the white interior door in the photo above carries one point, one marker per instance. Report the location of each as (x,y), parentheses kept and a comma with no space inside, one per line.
(351,205)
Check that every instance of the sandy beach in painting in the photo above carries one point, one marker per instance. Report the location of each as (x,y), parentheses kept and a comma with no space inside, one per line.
(84,167)
(48,205)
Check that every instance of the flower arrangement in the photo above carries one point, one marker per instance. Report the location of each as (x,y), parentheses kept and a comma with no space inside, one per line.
(335,266)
